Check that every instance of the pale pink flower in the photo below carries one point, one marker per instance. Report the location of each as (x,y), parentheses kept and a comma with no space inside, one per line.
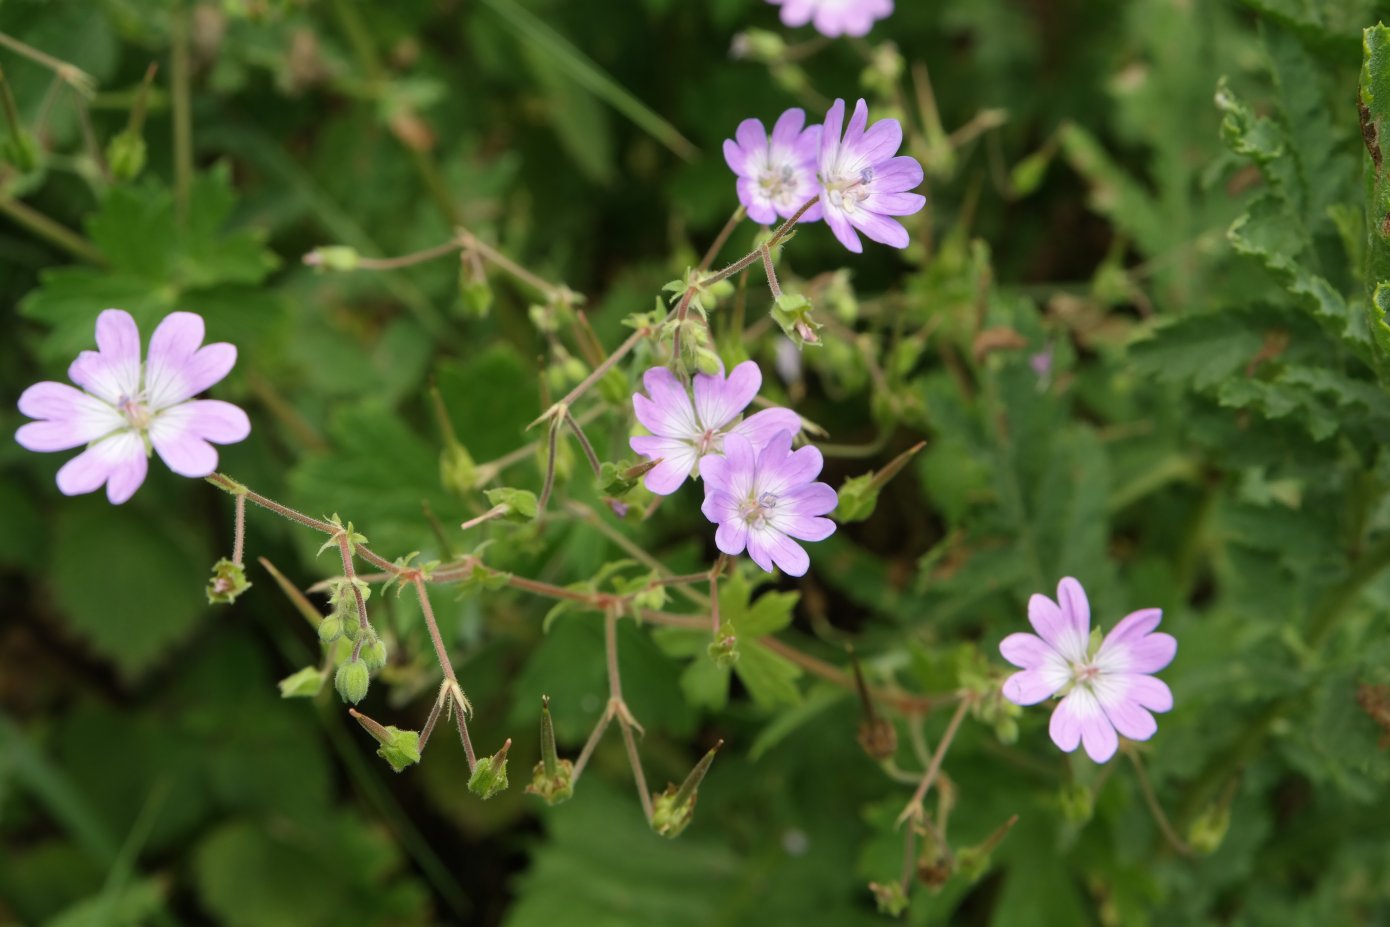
(835,18)
(684,429)
(864,182)
(767,500)
(777,172)
(1108,691)
(129,407)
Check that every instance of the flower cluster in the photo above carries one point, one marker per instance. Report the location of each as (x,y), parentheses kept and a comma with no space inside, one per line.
(1106,688)
(834,18)
(761,493)
(862,182)
(126,407)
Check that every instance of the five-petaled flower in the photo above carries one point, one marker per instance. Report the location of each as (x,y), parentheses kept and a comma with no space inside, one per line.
(777,173)
(863,184)
(684,429)
(835,18)
(1105,689)
(129,407)
(767,500)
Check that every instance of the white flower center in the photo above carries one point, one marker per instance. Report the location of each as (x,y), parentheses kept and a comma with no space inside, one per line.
(846,191)
(778,182)
(756,510)
(136,412)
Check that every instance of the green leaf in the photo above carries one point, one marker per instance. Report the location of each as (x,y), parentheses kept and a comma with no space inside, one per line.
(770,678)
(130,588)
(1201,349)
(306,683)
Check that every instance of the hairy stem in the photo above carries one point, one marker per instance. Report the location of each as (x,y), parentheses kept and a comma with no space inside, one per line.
(914,805)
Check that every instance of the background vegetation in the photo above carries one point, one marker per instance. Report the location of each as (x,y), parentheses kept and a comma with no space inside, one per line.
(1138,329)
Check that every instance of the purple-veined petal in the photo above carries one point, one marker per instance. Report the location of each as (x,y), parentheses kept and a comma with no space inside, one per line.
(669,412)
(880,142)
(181,435)
(830,131)
(67,416)
(790,557)
(760,208)
(1026,651)
(719,507)
(173,380)
(732,537)
(759,551)
(896,175)
(719,400)
(118,462)
(1080,717)
(1148,691)
(1029,687)
(112,372)
(1076,610)
(1127,716)
(781,469)
(811,499)
(760,427)
(881,229)
(802,527)
(854,132)
(840,225)
(1047,619)
(895,204)
(787,130)
(677,460)
(740,466)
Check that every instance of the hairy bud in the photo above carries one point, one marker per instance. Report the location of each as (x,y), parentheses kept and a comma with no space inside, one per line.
(352,680)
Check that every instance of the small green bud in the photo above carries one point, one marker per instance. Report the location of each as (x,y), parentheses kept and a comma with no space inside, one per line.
(330,629)
(399,748)
(457,471)
(126,154)
(759,45)
(521,504)
(555,787)
(351,627)
(475,296)
(352,680)
(674,809)
(1077,802)
(724,651)
(228,581)
(490,775)
(1208,831)
(333,258)
(374,653)
(792,312)
(890,897)
(306,683)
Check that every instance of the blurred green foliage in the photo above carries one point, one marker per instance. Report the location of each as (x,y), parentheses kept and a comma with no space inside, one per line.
(1141,329)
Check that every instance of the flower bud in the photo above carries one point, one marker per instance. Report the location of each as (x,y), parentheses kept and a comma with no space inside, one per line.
(330,629)
(1208,831)
(673,809)
(758,45)
(228,581)
(475,295)
(878,738)
(890,897)
(792,312)
(457,471)
(351,627)
(522,505)
(306,683)
(490,775)
(352,681)
(126,155)
(374,654)
(333,258)
(399,748)
(724,651)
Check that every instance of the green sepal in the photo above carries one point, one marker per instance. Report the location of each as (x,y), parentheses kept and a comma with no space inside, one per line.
(306,683)
(228,581)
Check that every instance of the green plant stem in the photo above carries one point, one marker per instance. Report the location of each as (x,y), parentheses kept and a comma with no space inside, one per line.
(181,100)
(914,805)
(442,655)
(71,74)
(1155,809)
(723,237)
(472,242)
(51,231)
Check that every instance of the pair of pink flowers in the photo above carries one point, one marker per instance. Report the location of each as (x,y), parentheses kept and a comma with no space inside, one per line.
(129,406)
(862,183)
(762,494)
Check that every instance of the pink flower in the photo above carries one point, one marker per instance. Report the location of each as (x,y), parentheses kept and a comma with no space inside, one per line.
(684,430)
(127,407)
(776,174)
(835,17)
(1106,691)
(766,501)
(862,184)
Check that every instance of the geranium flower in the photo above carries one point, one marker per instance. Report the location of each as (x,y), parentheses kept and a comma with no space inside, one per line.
(129,407)
(862,184)
(1106,691)
(776,173)
(835,18)
(684,430)
(767,500)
